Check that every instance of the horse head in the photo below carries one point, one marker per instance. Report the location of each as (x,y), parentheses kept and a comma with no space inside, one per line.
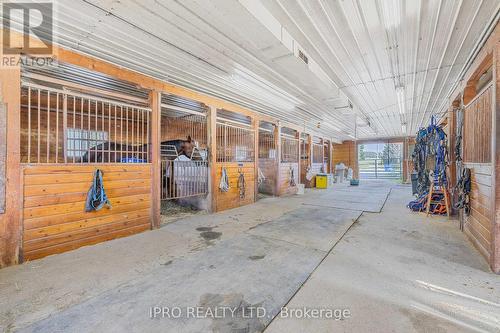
(188,146)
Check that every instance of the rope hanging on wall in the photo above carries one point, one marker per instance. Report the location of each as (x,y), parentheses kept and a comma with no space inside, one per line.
(241,184)
(224,181)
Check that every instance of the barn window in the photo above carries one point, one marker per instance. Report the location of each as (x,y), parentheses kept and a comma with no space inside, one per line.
(79,141)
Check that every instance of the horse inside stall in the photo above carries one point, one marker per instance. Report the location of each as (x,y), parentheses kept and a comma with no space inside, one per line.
(112,152)
(183,147)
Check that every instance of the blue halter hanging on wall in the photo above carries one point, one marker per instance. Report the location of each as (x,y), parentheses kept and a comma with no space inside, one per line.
(96,196)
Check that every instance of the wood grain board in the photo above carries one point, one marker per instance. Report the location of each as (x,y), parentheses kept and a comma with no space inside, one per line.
(54,214)
(268,167)
(479,223)
(231,199)
(284,183)
(3,155)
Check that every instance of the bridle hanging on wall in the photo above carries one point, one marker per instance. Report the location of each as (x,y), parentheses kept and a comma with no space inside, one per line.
(241,183)
(292,177)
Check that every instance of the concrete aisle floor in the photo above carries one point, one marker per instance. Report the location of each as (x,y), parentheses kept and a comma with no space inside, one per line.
(393,270)
(400,272)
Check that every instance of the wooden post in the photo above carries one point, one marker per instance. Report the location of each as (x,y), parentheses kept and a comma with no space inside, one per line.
(330,156)
(404,164)
(212,157)
(277,144)
(255,126)
(299,171)
(323,154)
(309,159)
(495,226)
(155,100)
(332,160)
(452,140)
(11,219)
(310,147)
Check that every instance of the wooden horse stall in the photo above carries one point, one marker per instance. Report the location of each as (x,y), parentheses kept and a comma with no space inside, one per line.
(305,155)
(74,121)
(184,154)
(289,166)
(317,160)
(235,167)
(477,132)
(268,159)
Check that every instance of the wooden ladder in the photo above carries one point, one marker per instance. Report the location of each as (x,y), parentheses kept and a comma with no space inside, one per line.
(438,189)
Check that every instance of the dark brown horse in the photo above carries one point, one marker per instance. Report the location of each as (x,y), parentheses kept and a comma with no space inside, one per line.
(183,147)
(112,152)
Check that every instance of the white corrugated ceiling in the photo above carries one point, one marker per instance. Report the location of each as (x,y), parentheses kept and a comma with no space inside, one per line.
(246,52)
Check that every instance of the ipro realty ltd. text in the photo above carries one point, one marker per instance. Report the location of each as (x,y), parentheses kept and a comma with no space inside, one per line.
(219,312)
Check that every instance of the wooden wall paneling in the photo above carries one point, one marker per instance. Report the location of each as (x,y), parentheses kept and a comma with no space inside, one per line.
(479,154)
(3,154)
(346,153)
(284,180)
(55,220)
(156,133)
(231,199)
(10,220)
(478,225)
(495,228)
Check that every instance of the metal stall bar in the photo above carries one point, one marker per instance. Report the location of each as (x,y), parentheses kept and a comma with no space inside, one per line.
(90,141)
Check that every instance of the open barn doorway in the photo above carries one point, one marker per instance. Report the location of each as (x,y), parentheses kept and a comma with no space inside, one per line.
(268,160)
(289,166)
(381,160)
(184,158)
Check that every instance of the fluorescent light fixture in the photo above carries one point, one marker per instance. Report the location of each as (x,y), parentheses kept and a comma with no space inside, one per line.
(400,94)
